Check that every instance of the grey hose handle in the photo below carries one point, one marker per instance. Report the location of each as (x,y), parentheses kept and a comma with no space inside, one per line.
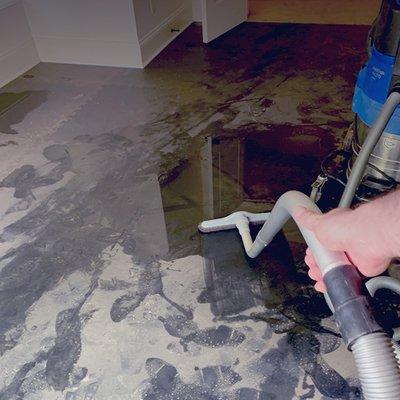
(282,211)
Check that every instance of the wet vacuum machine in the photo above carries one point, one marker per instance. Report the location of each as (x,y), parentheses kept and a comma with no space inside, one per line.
(370,165)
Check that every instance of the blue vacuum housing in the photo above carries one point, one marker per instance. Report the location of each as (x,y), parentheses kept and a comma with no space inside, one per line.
(372,88)
(376,80)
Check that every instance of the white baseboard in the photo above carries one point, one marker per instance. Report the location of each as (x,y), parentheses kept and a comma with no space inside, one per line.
(88,51)
(163,34)
(17,61)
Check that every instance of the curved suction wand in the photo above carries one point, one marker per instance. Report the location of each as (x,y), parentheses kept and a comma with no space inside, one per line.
(274,222)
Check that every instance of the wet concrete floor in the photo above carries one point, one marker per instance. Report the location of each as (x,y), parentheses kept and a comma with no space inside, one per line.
(107,290)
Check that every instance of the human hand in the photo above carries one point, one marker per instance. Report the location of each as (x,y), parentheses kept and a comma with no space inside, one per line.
(351,231)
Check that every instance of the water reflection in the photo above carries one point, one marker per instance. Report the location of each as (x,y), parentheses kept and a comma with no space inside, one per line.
(225,174)
(217,176)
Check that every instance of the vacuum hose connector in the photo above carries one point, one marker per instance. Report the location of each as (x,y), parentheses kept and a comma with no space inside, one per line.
(373,351)
(353,315)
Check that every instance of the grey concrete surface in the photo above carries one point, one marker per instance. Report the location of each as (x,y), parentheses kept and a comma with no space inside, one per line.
(107,290)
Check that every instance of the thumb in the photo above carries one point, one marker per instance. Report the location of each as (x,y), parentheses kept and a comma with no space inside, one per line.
(307,218)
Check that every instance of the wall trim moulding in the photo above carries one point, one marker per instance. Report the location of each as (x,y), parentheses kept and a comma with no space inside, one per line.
(165,32)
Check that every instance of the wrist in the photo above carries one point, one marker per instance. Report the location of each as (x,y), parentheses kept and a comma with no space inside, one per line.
(381,221)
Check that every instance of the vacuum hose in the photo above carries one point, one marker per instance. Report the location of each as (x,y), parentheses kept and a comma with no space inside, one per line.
(373,352)
(376,356)
(377,366)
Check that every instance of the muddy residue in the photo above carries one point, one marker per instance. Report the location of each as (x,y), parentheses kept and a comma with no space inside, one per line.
(16,110)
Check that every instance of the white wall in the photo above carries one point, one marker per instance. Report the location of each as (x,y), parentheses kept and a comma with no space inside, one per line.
(17,48)
(196,10)
(150,13)
(124,33)
(97,32)
(159,22)
(128,33)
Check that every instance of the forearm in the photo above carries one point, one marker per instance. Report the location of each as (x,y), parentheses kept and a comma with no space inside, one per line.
(381,217)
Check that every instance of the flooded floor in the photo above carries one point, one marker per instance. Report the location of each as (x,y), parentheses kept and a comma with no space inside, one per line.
(107,290)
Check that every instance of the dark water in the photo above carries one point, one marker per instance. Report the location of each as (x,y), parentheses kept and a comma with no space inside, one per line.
(134,160)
